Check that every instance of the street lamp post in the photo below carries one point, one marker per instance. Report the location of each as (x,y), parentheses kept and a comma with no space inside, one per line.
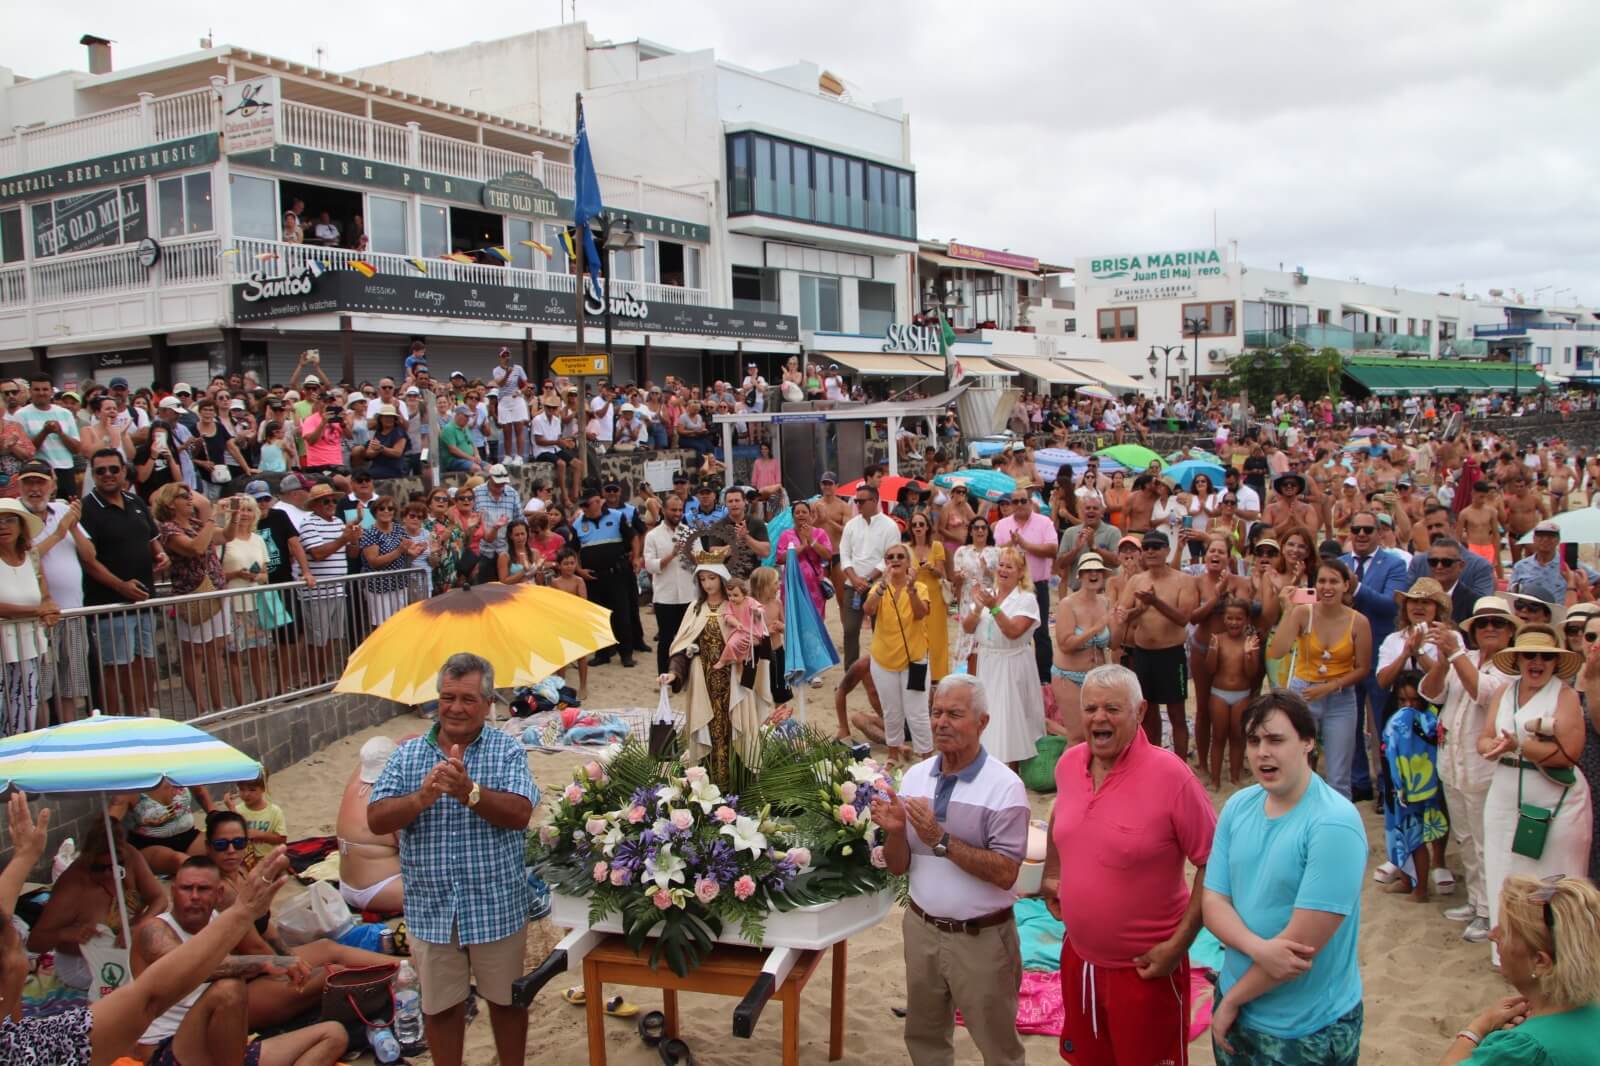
(1194,327)
(1166,377)
(617,236)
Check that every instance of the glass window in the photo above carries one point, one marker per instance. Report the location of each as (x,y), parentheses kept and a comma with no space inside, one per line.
(874,198)
(556,262)
(433,230)
(625,265)
(197,202)
(386,225)
(764,192)
(783,182)
(691,267)
(877,307)
(1119,324)
(255,206)
(819,303)
(823,208)
(169,201)
(519,230)
(754,289)
(741,174)
(12,249)
(908,212)
(802,183)
(858,194)
(841,192)
(1216,319)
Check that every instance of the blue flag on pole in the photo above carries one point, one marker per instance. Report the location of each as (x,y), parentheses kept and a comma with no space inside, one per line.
(586,198)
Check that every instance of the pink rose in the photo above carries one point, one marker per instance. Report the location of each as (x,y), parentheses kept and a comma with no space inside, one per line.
(726,815)
(548,834)
(682,820)
(595,826)
(705,889)
(600,870)
(801,857)
(662,899)
(572,794)
(847,791)
(847,814)
(592,771)
(635,815)
(744,888)
(619,876)
(877,858)
(695,775)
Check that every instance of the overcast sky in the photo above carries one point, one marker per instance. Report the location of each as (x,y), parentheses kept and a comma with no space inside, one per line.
(1428,145)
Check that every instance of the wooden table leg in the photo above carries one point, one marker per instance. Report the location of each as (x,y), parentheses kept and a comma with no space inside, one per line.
(669,1007)
(594,1007)
(790,996)
(836,1006)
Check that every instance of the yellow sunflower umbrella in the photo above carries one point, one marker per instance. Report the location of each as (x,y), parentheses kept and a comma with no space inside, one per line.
(527,632)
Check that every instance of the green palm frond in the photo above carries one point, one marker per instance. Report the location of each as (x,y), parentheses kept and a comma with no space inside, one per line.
(789,776)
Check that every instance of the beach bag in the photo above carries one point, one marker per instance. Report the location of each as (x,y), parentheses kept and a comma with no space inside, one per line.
(663,728)
(1533,821)
(319,912)
(1039,772)
(198,614)
(362,997)
(107,963)
(270,611)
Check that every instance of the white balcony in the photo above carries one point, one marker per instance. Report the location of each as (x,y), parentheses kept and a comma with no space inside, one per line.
(151,121)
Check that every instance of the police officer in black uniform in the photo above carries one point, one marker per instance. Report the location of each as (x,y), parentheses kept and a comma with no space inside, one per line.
(606,544)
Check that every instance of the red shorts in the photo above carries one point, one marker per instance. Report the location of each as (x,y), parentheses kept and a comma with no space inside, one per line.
(1117,1018)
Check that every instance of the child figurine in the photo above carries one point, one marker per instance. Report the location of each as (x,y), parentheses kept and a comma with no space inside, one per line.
(1234,659)
(744,624)
(1413,809)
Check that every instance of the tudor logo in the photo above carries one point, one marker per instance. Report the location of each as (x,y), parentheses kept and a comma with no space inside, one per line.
(261,287)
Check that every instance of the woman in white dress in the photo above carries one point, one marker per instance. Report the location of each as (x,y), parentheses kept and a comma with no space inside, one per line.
(512,409)
(974,563)
(1003,621)
(1534,736)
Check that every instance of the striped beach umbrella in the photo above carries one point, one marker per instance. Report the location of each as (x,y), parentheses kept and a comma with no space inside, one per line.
(109,753)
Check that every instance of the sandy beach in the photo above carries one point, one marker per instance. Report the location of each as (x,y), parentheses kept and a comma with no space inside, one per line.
(1422,982)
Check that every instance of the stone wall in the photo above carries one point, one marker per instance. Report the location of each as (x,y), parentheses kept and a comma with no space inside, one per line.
(276,737)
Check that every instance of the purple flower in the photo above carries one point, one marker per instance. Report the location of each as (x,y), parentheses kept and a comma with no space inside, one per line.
(783,871)
(644,797)
(719,863)
(629,856)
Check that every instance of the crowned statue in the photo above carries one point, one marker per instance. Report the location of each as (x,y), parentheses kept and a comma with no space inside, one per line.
(720,655)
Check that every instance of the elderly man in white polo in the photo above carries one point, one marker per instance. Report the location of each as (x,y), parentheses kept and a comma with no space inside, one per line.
(960,826)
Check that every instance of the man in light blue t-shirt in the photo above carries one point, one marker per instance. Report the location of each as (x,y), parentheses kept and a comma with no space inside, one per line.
(1283,894)
(54,432)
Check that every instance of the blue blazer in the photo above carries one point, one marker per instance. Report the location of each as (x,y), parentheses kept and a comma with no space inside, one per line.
(1477,574)
(1386,575)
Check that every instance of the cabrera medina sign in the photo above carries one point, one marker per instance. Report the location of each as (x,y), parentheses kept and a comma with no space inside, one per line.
(1158,266)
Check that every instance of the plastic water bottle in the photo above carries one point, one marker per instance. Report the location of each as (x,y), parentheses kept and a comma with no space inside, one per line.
(407,1007)
(385,1048)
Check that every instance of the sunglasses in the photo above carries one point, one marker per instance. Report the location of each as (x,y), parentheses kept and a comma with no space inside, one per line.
(1440,564)
(383,507)
(1363,529)
(1540,656)
(1018,499)
(897,558)
(1266,552)
(107,471)
(236,843)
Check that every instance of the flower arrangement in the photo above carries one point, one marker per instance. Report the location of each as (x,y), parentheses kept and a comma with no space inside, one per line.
(660,844)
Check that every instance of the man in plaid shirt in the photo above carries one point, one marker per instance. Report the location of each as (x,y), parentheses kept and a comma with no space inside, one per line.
(460,798)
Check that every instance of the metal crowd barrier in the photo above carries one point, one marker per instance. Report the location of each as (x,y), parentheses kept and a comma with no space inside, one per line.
(195,658)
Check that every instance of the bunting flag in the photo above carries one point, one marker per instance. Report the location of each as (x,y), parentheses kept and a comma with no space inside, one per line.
(501,251)
(362,267)
(568,245)
(262,257)
(227,252)
(420,266)
(460,257)
(539,246)
(315,267)
(586,196)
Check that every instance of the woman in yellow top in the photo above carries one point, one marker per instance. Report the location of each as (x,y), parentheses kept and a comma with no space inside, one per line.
(931,567)
(1332,645)
(900,644)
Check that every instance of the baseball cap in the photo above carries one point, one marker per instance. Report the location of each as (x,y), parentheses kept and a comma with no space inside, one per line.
(236,405)
(829,478)
(1129,542)
(1547,526)
(293,483)
(533,506)
(311,379)
(413,391)
(259,490)
(36,468)
(375,755)
(457,374)
(498,475)
(1330,549)
(119,383)
(1154,539)
(1352,482)
(182,387)
(169,403)
(462,409)
(680,478)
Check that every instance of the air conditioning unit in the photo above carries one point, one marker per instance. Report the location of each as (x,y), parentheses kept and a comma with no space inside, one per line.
(1216,355)
(1299,275)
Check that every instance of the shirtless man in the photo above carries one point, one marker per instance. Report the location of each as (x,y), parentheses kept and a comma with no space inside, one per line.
(870,725)
(832,512)
(1520,510)
(1129,564)
(1409,502)
(1153,617)
(84,898)
(369,863)
(1478,525)
(1561,478)
(212,1024)
(1287,509)
(1141,502)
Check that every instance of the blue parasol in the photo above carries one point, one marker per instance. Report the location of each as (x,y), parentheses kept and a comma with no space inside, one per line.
(1047,463)
(980,483)
(807,649)
(1185,472)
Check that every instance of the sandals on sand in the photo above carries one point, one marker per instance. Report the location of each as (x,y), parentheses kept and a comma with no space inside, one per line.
(616,1006)
(652,1027)
(675,1052)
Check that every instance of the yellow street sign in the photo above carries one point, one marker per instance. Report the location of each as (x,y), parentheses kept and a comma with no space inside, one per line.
(577,366)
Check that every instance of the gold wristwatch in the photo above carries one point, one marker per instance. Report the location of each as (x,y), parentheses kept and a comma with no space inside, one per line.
(474,796)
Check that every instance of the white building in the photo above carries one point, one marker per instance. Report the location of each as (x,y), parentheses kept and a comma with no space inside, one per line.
(812,188)
(1561,341)
(147,216)
(1195,308)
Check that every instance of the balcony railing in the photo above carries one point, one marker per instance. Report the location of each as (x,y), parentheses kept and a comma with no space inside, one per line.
(276,258)
(1533,327)
(183,262)
(134,126)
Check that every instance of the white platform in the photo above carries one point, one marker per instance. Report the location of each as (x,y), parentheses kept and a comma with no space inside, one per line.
(806,928)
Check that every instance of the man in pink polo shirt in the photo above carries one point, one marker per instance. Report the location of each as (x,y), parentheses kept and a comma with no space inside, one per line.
(1035,536)
(1127,815)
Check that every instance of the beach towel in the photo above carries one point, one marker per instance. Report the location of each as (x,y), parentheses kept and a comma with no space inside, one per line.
(1413,809)
(304,854)
(1040,934)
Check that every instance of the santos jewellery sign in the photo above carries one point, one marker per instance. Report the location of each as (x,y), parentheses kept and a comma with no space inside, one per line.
(302,293)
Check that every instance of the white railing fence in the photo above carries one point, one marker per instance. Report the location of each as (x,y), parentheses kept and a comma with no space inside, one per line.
(107,132)
(14,286)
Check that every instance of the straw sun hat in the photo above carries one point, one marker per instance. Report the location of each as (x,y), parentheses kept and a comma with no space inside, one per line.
(1537,637)
(1426,588)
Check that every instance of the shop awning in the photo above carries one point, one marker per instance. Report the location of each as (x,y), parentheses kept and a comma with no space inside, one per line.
(886,364)
(941,260)
(977,364)
(1403,377)
(1105,374)
(1048,371)
(1369,309)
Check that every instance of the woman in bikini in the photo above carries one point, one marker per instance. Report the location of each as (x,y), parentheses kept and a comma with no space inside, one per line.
(1216,585)
(369,863)
(954,518)
(1083,635)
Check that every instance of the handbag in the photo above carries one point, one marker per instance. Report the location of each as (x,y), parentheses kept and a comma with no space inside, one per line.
(916,672)
(270,611)
(200,612)
(361,997)
(1533,821)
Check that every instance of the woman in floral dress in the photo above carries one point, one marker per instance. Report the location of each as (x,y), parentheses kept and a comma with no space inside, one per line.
(974,566)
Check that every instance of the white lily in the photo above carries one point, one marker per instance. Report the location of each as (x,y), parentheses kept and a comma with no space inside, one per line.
(746,833)
(707,794)
(609,840)
(668,794)
(862,773)
(665,868)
